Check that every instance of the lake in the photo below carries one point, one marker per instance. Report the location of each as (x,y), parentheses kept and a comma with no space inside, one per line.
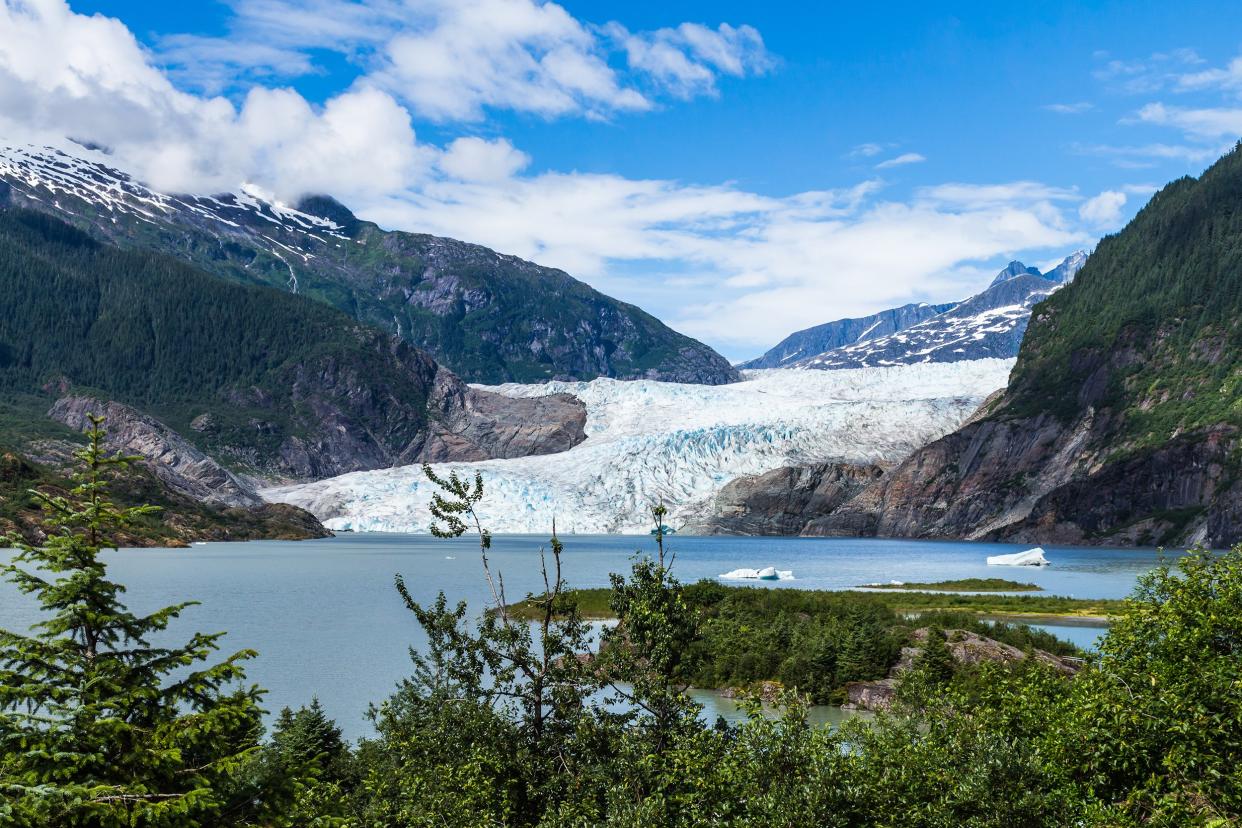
(327,622)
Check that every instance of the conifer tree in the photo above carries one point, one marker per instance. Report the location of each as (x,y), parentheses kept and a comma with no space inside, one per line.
(99,726)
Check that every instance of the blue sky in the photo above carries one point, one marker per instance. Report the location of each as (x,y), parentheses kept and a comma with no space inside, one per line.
(738,169)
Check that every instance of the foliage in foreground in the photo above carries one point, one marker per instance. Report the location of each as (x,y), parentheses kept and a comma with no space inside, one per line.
(505,722)
(98,724)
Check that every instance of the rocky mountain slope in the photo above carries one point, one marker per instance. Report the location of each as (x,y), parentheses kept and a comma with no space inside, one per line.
(989,324)
(679,444)
(181,519)
(208,374)
(1121,421)
(812,342)
(784,500)
(486,316)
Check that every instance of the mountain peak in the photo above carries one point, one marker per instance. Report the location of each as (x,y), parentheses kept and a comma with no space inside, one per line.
(1065,272)
(1012,270)
(327,207)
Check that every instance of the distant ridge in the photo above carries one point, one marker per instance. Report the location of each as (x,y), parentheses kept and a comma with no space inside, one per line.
(989,324)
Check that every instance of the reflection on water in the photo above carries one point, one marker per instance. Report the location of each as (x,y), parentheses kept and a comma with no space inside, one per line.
(327,622)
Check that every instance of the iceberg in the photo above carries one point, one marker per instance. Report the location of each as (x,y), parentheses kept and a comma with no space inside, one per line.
(1031,557)
(674,443)
(768,573)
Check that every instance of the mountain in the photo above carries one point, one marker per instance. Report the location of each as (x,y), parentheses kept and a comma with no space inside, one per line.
(259,381)
(1013,270)
(987,325)
(677,444)
(1121,422)
(486,316)
(814,341)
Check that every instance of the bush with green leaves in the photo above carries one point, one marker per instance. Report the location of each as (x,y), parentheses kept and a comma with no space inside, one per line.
(99,726)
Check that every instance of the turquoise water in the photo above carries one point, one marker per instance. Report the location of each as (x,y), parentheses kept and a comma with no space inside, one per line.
(326,620)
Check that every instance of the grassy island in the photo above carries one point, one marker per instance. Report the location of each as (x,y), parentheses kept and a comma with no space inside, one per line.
(593,603)
(961,585)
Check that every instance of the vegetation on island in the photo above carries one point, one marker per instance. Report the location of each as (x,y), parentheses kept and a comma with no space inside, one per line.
(961,585)
(507,722)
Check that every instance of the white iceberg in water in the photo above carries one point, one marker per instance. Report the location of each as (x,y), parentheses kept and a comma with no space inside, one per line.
(1031,557)
(768,573)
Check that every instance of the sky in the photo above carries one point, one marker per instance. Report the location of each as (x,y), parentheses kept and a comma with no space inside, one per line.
(740,170)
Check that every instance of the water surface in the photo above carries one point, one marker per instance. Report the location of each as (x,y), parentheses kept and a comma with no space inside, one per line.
(327,622)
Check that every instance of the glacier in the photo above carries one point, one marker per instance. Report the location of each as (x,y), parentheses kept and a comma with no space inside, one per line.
(662,442)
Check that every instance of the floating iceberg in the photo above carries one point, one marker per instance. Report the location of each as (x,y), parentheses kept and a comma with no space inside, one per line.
(1031,557)
(768,573)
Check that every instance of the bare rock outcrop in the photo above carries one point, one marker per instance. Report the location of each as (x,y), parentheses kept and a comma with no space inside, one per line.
(170,457)
(782,501)
(967,648)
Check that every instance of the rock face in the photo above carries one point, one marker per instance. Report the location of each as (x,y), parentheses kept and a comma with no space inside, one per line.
(174,461)
(471,424)
(967,648)
(489,317)
(782,501)
(358,426)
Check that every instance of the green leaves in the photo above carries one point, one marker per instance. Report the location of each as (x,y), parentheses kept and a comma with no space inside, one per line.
(98,726)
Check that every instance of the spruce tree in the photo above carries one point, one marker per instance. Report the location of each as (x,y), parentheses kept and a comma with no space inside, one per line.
(98,725)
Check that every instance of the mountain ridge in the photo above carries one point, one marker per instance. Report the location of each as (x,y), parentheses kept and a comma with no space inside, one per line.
(989,324)
(487,316)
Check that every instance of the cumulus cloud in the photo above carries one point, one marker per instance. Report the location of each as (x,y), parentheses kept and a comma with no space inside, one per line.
(901,160)
(451,60)
(686,60)
(63,73)
(1104,210)
(476,159)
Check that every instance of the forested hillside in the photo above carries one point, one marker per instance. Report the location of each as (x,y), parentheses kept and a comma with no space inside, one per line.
(486,316)
(259,379)
(1122,419)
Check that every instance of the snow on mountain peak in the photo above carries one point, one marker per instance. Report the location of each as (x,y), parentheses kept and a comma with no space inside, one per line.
(48,174)
(677,444)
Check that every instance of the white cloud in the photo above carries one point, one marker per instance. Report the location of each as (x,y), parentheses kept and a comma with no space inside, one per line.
(1104,210)
(1228,78)
(450,60)
(686,60)
(475,159)
(769,265)
(1200,123)
(1143,156)
(68,74)
(901,160)
(1070,108)
(867,150)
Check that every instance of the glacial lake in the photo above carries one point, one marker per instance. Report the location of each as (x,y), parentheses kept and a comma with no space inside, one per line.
(327,622)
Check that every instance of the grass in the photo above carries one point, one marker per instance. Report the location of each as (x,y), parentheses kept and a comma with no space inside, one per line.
(593,604)
(962,585)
